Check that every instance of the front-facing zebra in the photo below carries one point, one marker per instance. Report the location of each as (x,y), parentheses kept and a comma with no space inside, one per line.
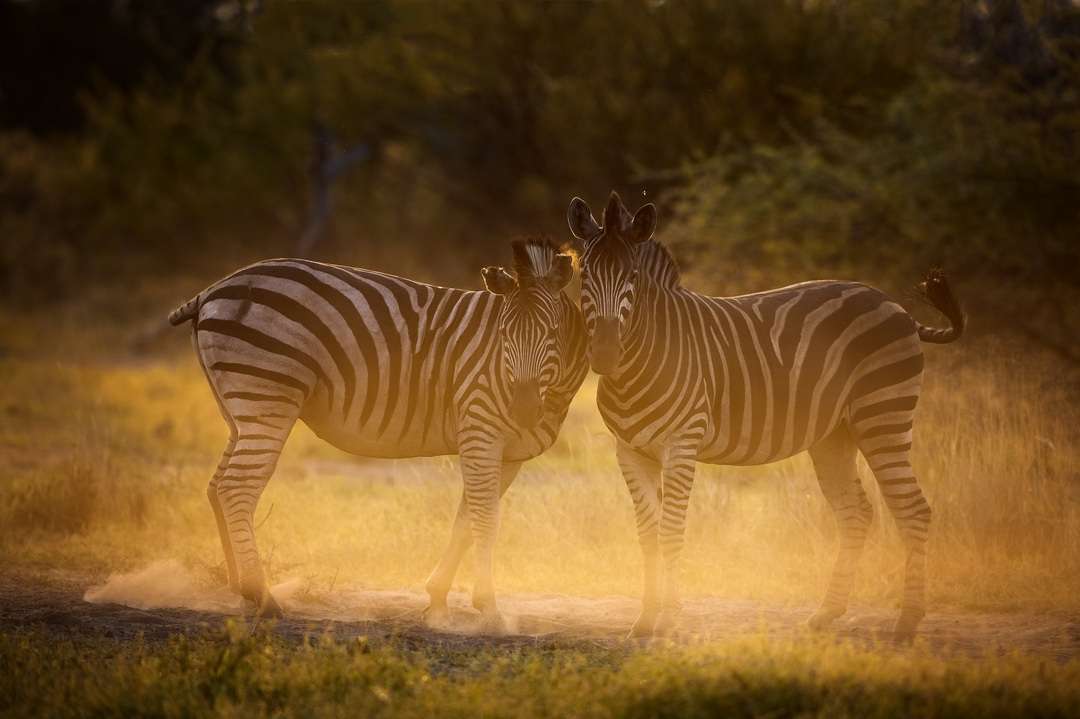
(830,367)
(383,366)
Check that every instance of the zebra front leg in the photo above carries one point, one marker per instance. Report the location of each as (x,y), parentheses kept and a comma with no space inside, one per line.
(481,469)
(437,614)
(677,481)
(642,475)
(834,463)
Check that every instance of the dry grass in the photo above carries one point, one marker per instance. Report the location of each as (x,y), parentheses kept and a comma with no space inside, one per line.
(106,454)
(107,458)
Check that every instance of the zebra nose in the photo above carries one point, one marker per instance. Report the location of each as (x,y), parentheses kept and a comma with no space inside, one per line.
(526,407)
(605,346)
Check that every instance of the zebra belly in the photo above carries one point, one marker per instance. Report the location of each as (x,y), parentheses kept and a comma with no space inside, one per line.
(518,448)
(436,441)
(368,442)
(718,452)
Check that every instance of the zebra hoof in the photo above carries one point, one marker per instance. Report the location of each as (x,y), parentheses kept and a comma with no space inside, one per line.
(437,616)
(667,623)
(905,628)
(253,588)
(643,627)
(822,618)
(269,608)
(492,624)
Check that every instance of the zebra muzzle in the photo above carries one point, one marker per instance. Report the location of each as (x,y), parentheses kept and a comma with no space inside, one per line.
(526,406)
(605,347)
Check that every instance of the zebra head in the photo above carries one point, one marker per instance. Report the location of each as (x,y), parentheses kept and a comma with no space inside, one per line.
(529,322)
(609,273)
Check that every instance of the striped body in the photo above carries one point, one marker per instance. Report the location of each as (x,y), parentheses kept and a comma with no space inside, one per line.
(383,366)
(764,376)
(830,367)
(377,365)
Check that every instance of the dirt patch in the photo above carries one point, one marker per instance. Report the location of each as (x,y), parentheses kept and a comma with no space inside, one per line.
(125,608)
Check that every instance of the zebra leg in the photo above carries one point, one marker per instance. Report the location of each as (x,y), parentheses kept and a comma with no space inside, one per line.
(438,585)
(219,515)
(678,480)
(241,479)
(642,475)
(834,462)
(481,470)
(886,444)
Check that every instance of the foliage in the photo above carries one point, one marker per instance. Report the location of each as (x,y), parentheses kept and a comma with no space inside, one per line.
(972,174)
(238,675)
(55,52)
(785,139)
(483,117)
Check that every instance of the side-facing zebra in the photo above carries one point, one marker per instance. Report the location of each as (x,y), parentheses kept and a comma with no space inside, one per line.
(831,367)
(383,366)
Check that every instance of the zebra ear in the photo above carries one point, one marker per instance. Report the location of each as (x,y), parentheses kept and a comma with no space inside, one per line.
(582,223)
(562,271)
(498,281)
(644,224)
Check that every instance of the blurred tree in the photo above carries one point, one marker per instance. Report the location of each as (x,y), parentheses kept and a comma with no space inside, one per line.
(971,166)
(55,52)
(786,138)
(327,164)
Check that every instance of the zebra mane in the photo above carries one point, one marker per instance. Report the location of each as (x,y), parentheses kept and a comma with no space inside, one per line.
(534,258)
(657,262)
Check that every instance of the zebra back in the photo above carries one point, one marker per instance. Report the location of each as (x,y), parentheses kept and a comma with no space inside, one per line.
(377,364)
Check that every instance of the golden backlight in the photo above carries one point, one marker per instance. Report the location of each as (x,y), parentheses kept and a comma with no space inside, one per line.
(110,462)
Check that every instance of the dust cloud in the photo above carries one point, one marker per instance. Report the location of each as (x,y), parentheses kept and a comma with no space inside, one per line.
(168,584)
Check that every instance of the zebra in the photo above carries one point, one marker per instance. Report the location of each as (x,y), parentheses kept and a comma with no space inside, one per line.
(383,366)
(828,366)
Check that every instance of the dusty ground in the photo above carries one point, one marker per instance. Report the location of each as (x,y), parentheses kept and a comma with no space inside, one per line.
(123,608)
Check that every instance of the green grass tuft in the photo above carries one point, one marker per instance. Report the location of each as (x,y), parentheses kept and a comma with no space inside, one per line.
(235,674)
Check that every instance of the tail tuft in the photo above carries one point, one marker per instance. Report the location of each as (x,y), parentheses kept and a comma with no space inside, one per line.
(935,289)
(187,311)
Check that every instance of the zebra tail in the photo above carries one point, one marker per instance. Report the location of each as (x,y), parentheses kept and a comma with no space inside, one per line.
(936,290)
(187,311)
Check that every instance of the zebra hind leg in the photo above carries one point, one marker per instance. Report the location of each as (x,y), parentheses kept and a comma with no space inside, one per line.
(219,515)
(834,463)
(261,420)
(886,444)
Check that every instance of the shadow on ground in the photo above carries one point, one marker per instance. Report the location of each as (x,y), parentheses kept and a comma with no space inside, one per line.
(122,609)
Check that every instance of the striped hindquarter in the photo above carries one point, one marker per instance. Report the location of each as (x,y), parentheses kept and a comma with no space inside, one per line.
(830,367)
(383,366)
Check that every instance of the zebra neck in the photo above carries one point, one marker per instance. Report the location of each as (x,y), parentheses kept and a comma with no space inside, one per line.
(658,287)
(573,364)
(460,334)
(648,320)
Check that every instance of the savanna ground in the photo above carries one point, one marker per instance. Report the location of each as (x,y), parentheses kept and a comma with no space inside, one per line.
(112,599)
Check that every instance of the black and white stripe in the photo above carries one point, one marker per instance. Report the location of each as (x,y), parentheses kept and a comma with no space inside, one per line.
(831,367)
(383,366)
